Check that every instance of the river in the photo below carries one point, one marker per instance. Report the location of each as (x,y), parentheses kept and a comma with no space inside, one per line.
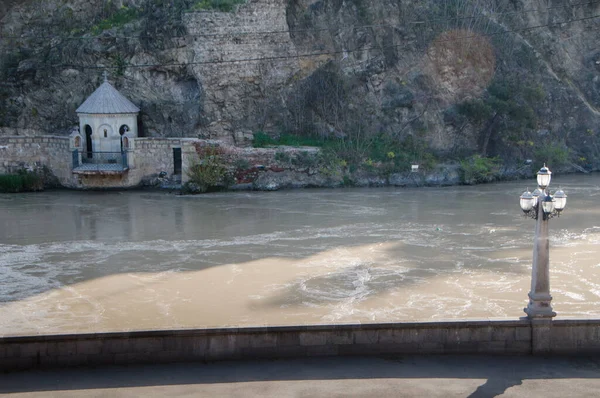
(109,261)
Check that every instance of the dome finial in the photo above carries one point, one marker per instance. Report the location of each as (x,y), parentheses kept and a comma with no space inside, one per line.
(105,76)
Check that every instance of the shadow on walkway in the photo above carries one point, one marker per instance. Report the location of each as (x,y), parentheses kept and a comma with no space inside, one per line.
(461,373)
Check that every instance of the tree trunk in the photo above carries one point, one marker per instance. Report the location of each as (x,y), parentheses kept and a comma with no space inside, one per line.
(487,133)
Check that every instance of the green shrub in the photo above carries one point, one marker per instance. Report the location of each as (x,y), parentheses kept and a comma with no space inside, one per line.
(241,164)
(219,5)
(262,140)
(476,110)
(23,181)
(478,169)
(553,155)
(211,173)
(121,17)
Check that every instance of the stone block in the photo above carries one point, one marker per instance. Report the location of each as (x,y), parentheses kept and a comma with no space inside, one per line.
(115,346)
(408,336)
(482,334)
(62,348)
(313,338)
(491,347)
(89,347)
(200,345)
(48,361)
(10,351)
(541,336)
(263,340)
(147,345)
(288,339)
(503,334)
(177,343)
(432,335)
(386,336)
(337,337)
(71,360)
(33,349)
(458,335)
(523,334)
(220,346)
(366,336)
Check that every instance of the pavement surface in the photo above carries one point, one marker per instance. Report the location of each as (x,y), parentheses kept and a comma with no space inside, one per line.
(399,376)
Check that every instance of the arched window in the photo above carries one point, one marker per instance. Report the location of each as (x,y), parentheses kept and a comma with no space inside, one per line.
(123,129)
(88,141)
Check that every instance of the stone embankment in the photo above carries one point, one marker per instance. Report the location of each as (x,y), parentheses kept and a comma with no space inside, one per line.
(151,163)
(487,337)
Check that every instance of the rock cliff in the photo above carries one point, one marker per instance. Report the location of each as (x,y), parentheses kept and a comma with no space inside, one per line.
(455,77)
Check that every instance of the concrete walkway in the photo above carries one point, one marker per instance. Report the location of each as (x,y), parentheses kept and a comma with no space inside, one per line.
(408,376)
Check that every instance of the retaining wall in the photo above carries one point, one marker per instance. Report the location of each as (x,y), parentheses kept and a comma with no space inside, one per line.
(18,152)
(519,337)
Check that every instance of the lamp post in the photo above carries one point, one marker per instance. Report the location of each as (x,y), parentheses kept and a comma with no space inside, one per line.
(541,206)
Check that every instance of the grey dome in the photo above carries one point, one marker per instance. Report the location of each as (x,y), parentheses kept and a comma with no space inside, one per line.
(107,100)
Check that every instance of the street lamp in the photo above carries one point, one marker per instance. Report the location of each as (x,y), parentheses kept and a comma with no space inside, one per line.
(541,206)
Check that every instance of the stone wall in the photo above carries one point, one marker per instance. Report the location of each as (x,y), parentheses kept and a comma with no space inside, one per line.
(232,88)
(32,153)
(518,337)
(151,163)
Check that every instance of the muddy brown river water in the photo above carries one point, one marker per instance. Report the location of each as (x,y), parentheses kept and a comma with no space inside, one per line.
(110,261)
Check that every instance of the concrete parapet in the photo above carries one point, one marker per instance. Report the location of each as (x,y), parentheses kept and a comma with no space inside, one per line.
(518,337)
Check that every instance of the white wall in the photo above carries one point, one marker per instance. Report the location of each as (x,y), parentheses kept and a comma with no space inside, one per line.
(110,123)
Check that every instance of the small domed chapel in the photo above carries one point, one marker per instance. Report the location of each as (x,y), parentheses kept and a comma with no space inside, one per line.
(107,152)
(107,121)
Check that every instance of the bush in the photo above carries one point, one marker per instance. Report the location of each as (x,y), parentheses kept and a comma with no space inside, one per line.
(478,169)
(211,173)
(219,5)
(262,140)
(121,17)
(553,155)
(23,181)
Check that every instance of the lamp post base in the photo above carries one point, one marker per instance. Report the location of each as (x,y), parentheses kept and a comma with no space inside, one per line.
(539,306)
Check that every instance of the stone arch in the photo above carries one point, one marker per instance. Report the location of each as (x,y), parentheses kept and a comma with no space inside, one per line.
(124,129)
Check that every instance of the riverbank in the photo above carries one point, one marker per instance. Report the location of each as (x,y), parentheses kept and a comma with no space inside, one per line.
(195,166)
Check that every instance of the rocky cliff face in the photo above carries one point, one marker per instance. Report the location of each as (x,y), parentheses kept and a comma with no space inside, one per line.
(453,76)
